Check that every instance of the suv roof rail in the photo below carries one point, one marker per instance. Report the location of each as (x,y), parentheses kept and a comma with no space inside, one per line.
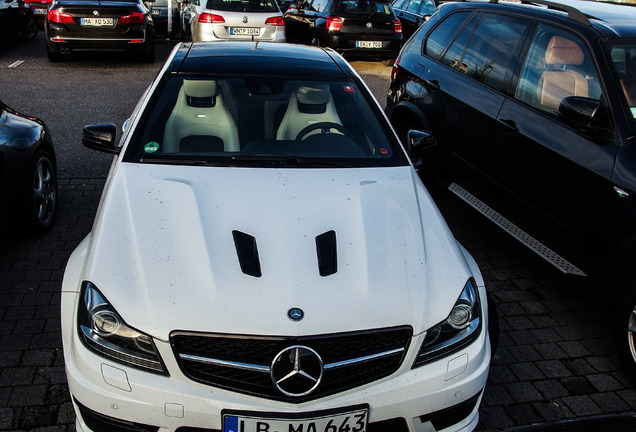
(573,13)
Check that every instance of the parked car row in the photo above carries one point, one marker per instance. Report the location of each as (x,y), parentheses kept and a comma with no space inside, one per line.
(533,107)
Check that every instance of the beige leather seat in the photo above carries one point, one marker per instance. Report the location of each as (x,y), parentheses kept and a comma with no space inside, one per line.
(308,104)
(200,120)
(559,80)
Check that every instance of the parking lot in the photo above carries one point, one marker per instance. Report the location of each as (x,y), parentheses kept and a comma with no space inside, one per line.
(555,363)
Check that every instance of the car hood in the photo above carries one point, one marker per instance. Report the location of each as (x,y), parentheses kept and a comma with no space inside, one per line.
(163,253)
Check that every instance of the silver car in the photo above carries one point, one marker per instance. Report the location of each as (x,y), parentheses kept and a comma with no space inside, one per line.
(211,20)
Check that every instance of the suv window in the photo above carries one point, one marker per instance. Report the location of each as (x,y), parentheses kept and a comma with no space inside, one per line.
(441,36)
(414,6)
(558,65)
(490,53)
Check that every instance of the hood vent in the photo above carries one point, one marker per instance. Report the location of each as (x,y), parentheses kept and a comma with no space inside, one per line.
(247,252)
(327,253)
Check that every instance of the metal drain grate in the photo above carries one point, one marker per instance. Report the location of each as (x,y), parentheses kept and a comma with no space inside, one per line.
(535,245)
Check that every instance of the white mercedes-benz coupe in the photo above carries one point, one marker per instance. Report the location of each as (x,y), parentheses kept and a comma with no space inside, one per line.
(265,258)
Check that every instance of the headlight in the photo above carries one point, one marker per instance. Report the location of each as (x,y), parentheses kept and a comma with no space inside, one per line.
(104,331)
(458,330)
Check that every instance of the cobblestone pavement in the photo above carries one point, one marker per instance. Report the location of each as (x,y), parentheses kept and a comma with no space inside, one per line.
(555,359)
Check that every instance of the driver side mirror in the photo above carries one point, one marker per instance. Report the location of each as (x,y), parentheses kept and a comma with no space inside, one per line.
(101,137)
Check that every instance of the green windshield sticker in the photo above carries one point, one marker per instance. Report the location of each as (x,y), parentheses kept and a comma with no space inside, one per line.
(151,147)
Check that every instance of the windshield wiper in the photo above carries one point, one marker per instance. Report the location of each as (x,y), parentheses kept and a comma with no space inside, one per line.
(178,161)
(296,161)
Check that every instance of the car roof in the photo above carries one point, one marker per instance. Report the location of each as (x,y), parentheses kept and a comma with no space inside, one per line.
(252,58)
(610,19)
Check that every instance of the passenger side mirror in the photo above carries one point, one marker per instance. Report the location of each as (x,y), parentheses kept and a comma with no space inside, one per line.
(419,143)
(584,114)
(101,137)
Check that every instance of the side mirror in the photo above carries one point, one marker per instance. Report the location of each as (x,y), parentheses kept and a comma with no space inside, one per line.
(101,137)
(419,143)
(584,114)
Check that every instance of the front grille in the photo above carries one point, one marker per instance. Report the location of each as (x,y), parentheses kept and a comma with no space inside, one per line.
(243,363)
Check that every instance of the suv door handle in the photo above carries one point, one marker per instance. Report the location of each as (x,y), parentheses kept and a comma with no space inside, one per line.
(432,84)
(511,126)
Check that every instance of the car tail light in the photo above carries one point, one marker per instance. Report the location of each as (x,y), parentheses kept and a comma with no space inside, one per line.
(210,18)
(58,17)
(394,69)
(334,23)
(397,26)
(275,21)
(135,18)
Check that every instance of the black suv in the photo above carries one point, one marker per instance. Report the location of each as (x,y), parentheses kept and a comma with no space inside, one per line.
(533,109)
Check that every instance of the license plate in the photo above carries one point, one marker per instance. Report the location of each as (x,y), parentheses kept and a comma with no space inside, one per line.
(96,22)
(368,44)
(39,11)
(245,31)
(352,421)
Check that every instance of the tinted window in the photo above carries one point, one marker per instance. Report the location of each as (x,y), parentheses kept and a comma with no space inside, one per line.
(414,6)
(441,36)
(428,8)
(363,7)
(243,5)
(492,50)
(398,4)
(558,65)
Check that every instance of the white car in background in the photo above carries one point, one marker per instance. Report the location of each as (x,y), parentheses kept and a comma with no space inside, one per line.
(265,257)
(234,20)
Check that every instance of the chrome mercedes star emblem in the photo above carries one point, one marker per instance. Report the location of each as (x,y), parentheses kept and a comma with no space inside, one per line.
(96,13)
(297,370)
(295,314)
(244,20)
(369,25)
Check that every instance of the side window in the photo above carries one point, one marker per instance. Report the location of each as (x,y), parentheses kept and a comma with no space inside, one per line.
(414,6)
(428,8)
(558,65)
(399,4)
(443,34)
(320,5)
(490,54)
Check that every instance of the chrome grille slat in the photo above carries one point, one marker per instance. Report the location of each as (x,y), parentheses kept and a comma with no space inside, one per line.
(237,363)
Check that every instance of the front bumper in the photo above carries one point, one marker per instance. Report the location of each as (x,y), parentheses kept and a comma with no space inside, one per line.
(443,394)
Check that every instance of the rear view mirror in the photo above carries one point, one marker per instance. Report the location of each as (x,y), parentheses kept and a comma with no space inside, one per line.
(583,113)
(101,137)
(418,144)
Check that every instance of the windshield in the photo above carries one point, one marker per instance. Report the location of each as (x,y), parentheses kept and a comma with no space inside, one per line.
(262,121)
(623,55)
(243,5)
(363,7)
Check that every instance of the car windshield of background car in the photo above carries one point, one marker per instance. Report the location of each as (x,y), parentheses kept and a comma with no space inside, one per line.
(205,119)
(243,5)
(623,55)
(363,7)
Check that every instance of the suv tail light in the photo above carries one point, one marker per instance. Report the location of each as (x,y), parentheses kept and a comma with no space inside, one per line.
(275,21)
(210,18)
(397,26)
(135,18)
(58,17)
(334,23)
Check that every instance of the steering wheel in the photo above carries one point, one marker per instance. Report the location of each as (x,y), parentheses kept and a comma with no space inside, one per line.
(324,127)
